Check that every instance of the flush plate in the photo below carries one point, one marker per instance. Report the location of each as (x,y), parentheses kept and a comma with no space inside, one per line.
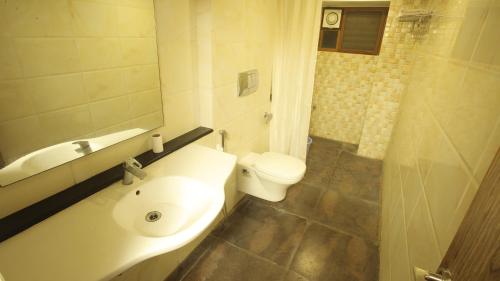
(248,82)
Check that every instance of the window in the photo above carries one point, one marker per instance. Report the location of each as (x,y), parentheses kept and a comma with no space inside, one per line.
(359,30)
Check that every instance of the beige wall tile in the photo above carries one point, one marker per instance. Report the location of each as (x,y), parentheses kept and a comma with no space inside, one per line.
(488,154)
(135,21)
(21,136)
(10,65)
(486,51)
(228,61)
(398,255)
(44,56)
(58,19)
(141,78)
(423,247)
(152,121)
(3,20)
(178,111)
(11,94)
(112,129)
(427,151)
(145,102)
(179,73)
(450,113)
(99,53)
(56,92)
(412,189)
(144,4)
(468,34)
(66,124)
(477,112)
(24,18)
(104,84)
(38,18)
(94,18)
(444,188)
(100,111)
(456,219)
(138,51)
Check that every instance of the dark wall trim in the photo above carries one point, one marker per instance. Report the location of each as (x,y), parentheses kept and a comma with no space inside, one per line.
(33,214)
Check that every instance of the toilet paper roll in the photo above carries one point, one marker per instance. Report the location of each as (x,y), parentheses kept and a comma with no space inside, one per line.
(157,143)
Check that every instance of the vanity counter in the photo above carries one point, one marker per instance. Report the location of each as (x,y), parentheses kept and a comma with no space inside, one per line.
(84,242)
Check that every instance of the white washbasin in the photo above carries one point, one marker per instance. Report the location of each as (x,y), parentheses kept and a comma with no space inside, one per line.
(106,233)
(169,206)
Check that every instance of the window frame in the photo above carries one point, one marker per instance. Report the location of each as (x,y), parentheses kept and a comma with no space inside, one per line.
(340,35)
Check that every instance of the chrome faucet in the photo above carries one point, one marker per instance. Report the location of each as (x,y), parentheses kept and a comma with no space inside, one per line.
(84,147)
(132,168)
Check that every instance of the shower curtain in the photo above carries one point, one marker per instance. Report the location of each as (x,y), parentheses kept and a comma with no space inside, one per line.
(293,75)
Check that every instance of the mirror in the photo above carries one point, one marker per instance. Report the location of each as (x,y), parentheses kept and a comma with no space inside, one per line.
(75,77)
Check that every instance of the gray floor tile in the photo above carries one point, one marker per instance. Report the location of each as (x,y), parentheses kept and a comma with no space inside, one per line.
(325,254)
(293,276)
(352,162)
(318,174)
(265,231)
(188,263)
(326,228)
(356,183)
(301,199)
(331,144)
(225,262)
(348,214)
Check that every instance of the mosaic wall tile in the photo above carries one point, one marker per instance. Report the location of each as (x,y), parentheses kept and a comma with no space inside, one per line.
(356,97)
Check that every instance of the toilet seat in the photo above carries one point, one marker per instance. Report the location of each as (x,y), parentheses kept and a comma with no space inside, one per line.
(280,167)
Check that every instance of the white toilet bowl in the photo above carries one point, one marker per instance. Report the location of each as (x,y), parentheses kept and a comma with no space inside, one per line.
(269,175)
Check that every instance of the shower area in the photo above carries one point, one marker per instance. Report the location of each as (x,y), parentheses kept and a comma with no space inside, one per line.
(357,95)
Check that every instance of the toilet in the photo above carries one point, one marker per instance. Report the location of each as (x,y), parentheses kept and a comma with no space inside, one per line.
(269,175)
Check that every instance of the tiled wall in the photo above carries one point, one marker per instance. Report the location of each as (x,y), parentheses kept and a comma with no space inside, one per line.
(356,97)
(243,36)
(230,37)
(447,133)
(177,47)
(90,67)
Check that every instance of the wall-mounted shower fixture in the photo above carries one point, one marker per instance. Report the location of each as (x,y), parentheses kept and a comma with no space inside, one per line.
(419,18)
(414,15)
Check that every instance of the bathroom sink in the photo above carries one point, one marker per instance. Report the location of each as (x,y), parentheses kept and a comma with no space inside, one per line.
(169,206)
(123,225)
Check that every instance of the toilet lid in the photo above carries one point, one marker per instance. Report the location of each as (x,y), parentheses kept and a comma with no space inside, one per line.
(280,165)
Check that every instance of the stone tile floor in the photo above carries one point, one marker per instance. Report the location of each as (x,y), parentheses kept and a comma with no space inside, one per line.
(326,229)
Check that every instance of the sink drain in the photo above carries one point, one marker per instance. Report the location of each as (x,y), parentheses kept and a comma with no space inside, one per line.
(153,216)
